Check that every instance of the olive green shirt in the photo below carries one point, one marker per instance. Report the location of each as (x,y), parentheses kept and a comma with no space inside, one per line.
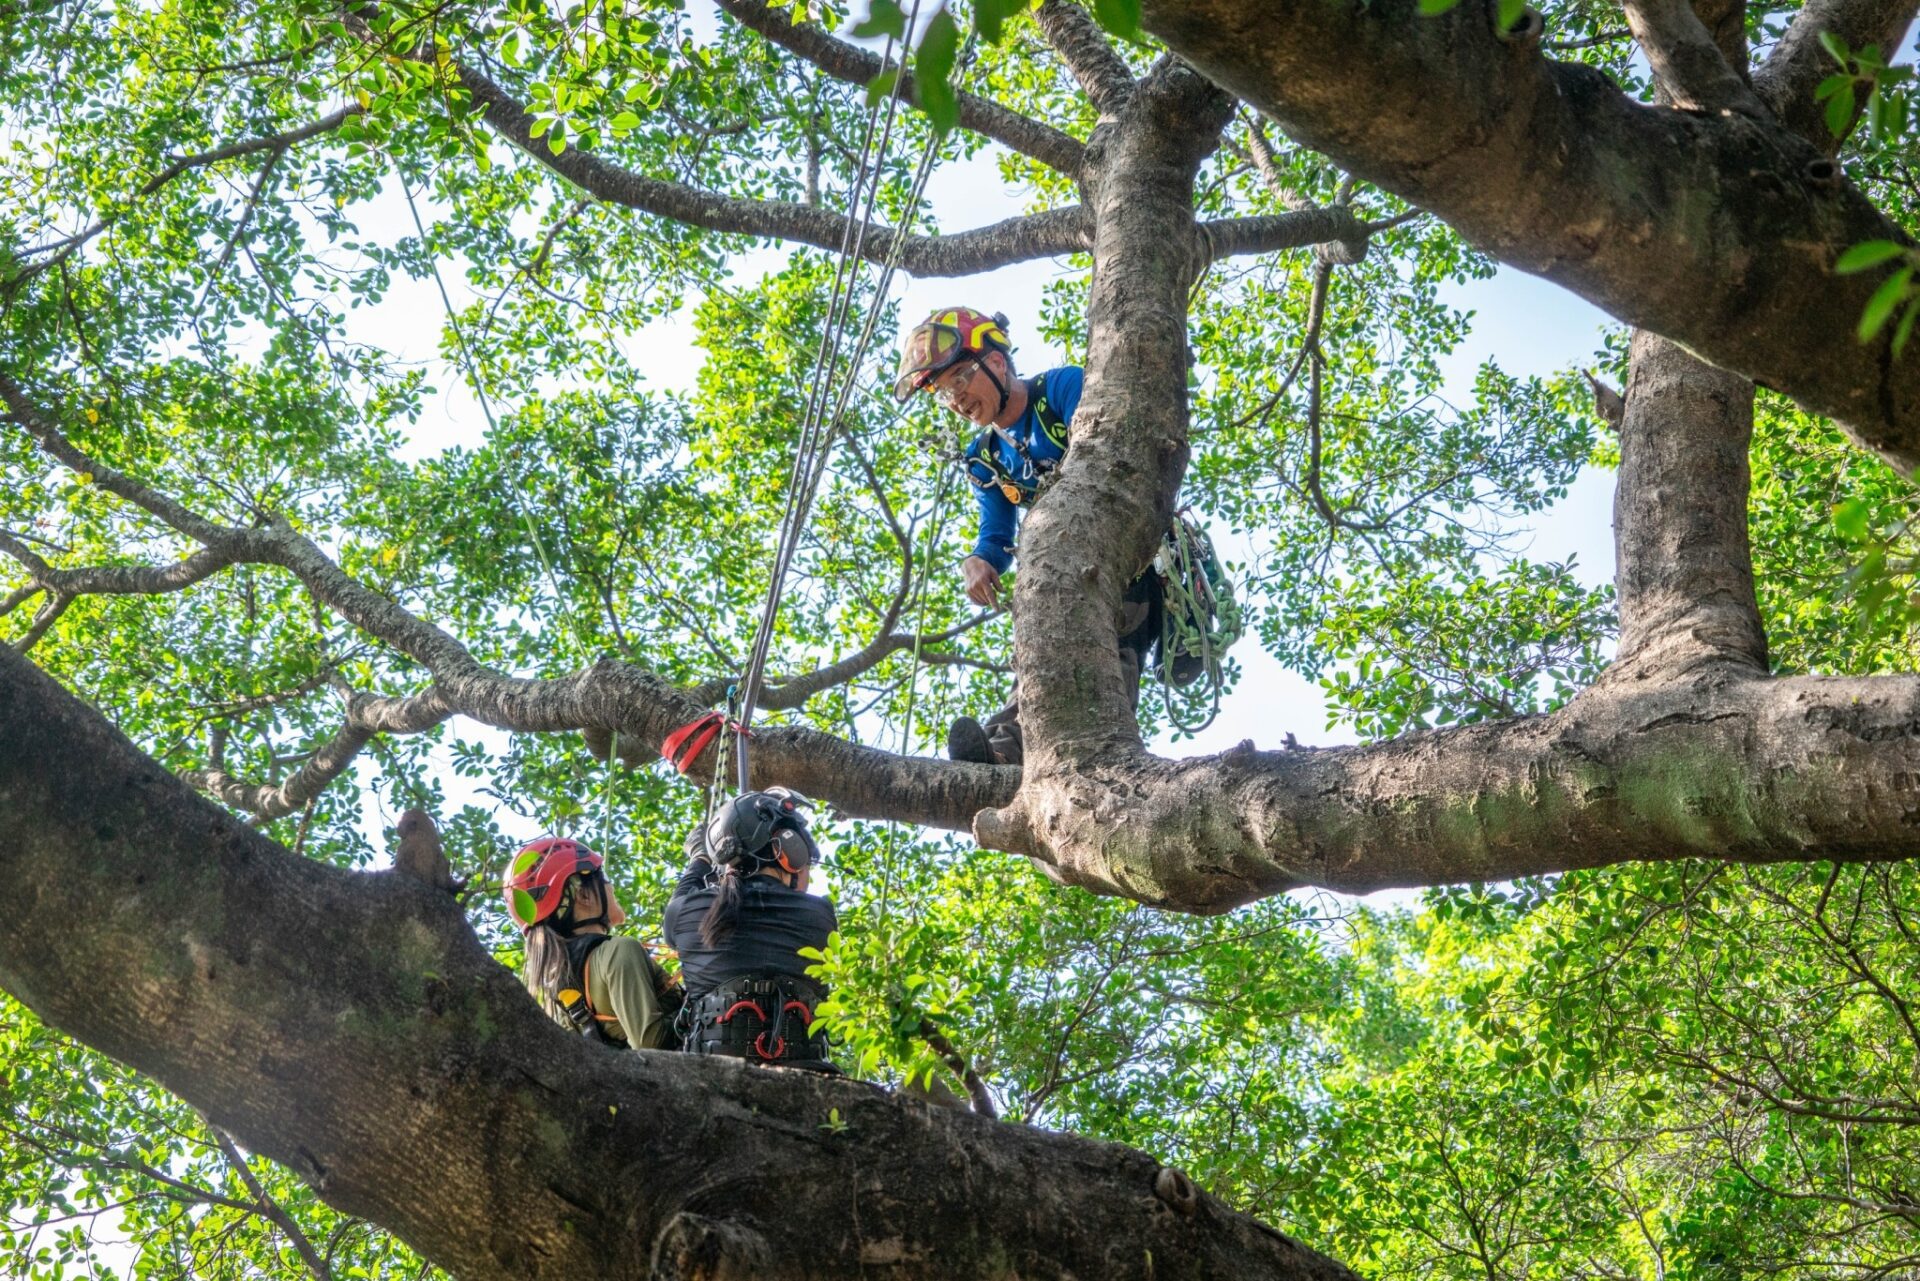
(621,980)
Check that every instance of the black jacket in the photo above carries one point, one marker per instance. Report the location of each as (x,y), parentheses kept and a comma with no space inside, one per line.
(775,922)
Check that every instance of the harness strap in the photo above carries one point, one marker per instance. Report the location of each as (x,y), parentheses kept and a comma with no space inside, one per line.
(682,748)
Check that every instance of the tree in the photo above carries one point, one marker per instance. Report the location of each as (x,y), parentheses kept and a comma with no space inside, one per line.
(192,420)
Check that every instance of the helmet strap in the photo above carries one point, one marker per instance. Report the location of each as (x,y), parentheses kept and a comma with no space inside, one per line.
(998,386)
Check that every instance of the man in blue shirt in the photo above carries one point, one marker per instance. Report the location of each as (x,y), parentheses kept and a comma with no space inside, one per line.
(963,357)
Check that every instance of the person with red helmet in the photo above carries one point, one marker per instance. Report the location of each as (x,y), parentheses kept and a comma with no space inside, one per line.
(963,357)
(593,982)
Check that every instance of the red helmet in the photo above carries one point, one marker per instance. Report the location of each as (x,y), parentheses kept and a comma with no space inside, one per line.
(539,873)
(944,339)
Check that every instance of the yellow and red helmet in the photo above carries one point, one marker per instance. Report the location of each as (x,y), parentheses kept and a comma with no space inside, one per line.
(944,339)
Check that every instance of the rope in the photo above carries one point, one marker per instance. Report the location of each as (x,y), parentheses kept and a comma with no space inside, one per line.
(1179,594)
(821,429)
(533,531)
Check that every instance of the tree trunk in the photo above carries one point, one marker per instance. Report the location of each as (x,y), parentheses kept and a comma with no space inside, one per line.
(350,1026)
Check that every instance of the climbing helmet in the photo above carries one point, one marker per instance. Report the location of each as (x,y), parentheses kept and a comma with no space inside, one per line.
(535,883)
(944,339)
(764,827)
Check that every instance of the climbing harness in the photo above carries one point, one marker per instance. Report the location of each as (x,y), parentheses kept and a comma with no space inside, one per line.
(574,1002)
(1199,622)
(982,465)
(763,1019)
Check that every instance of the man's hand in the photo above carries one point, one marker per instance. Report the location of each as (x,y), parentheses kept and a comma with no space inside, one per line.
(983,582)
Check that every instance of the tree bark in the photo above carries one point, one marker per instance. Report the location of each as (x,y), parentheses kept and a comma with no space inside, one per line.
(1716,231)
(350,1026)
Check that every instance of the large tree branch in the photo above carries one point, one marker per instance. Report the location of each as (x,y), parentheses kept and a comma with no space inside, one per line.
(1083,47)
(1719,232)
(1685,567)
(1690,67)
(116,580)
(350,1026)
(367,715)
(644,710)
(1798,64)
(850,63)
(1041,235)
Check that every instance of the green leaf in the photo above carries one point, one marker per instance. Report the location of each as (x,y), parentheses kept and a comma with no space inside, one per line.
(1840,110)
(625,122)
(990,16)
(1904,330)
(1868,253)
(884,18)
(1122,17)
(1850,518)
(1831,85)
(1836,47)
(1433,8)
(933,64)
(1884,300)
(881,86)
(524,906)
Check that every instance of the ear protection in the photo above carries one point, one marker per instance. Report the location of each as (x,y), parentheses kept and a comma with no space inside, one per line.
(793,850)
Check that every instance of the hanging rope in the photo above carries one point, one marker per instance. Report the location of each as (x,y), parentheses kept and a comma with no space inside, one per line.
(821,428)
(526,518)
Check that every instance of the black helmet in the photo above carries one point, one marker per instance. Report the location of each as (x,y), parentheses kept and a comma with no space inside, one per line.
(745,827)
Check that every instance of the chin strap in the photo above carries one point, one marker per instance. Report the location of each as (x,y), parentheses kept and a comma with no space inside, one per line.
(997,386)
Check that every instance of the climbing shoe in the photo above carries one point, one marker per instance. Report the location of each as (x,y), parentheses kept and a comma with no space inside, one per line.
(967,741)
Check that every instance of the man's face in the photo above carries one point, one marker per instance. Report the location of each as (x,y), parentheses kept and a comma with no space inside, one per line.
(969,392)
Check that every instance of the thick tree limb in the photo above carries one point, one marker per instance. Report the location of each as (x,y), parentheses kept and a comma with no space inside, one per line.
(350,1026)
(855,65)
(367,715)
(1718,232)
(116,580)
(1687,62)
(1041,235)
(1685,566)
(1798,64)
(1083,47)
(1311,225)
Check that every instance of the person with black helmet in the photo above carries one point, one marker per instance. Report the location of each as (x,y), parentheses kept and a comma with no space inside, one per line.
(738,918)
(964,359)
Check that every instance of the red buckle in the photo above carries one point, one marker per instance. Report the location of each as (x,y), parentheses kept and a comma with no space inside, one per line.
(760,1047)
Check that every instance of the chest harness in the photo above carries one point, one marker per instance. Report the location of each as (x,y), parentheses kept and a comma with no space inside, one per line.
(762,1019)
(572,994)
(983,464)
(572,999)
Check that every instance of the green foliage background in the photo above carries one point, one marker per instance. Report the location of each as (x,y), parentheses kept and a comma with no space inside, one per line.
(1674,1071)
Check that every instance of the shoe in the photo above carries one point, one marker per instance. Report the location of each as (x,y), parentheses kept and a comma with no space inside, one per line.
(967,741)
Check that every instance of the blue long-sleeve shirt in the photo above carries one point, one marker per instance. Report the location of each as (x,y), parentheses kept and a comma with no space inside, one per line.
(999,514)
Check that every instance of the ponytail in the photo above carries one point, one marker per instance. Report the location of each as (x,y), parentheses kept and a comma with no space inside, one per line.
(724,913)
